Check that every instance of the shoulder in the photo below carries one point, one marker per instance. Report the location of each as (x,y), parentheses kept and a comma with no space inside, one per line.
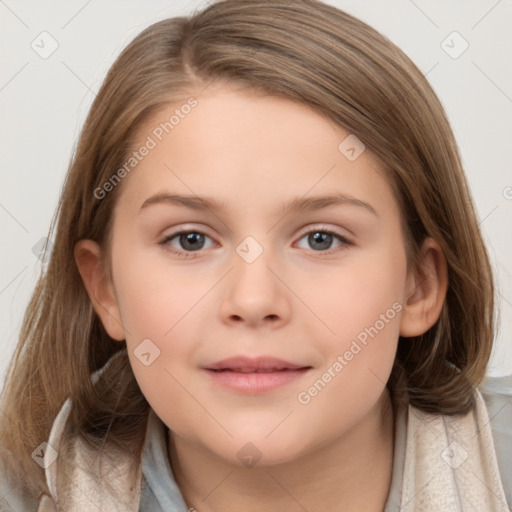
(13,497)
(497,394)
(106,478)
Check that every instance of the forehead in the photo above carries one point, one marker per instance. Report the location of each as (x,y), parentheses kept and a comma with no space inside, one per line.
(251,149)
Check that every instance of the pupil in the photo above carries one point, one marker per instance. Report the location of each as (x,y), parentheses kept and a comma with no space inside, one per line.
(323,240)
(192,241)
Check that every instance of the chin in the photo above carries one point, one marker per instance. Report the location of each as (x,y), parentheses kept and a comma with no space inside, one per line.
(259,452)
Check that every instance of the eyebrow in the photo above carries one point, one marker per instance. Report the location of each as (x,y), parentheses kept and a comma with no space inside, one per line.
(295,205)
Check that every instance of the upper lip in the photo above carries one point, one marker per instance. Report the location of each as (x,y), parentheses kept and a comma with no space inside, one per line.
(252,364)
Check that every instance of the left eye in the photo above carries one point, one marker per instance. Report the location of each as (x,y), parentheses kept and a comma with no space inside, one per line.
(322,240)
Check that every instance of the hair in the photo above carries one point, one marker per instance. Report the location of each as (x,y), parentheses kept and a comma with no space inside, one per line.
(304,51)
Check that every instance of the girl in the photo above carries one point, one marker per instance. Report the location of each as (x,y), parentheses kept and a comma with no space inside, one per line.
(268,289)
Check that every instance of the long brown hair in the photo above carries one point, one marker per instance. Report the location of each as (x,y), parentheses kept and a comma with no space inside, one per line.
(302,50)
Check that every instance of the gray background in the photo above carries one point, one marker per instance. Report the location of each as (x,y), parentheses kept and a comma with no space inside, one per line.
(43,102)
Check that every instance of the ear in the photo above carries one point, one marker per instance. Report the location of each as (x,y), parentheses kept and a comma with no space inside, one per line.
(425,291)
(90,263)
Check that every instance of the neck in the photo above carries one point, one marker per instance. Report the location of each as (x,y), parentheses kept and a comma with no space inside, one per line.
(350,474)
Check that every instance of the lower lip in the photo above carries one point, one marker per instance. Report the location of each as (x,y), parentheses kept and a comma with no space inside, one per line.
(255,383)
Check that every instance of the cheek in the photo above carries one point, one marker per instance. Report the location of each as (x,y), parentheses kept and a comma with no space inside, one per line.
(153,296)
(365,293)
(363,307)
(160,310)
(358,363)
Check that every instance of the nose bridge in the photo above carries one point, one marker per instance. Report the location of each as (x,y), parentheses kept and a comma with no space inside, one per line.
(254,293)
(250,250)
(252,263)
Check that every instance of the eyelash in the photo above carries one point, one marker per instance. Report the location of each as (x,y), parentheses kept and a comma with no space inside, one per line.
(192,254)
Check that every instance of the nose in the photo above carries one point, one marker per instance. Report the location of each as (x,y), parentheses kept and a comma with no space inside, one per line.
(254,296)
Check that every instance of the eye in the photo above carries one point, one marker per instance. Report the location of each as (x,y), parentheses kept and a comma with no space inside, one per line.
(322,240)
(188,242)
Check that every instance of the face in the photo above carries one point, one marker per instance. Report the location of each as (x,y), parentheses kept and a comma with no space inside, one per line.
(265,270)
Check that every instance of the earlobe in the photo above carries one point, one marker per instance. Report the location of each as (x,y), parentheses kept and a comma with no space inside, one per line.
(426,291)
(88,258)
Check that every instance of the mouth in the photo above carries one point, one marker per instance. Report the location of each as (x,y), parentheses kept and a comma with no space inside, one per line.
(255,375)
(245,370)
(262,364)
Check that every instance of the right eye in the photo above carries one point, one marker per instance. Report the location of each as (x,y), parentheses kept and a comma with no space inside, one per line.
(190,241)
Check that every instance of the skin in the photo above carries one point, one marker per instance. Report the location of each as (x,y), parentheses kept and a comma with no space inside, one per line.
(296,301)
